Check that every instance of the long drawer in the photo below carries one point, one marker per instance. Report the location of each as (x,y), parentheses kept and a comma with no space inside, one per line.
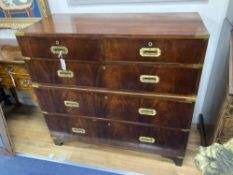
(157,78)
(119,133)
(189,51)
(156,112)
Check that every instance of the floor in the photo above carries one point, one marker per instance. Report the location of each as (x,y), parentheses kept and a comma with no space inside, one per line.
(30,135)
(24,165)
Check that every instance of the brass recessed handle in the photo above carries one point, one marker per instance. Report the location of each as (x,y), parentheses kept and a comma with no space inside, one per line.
(71,104)
(150,52)
(149,79)
(59,49)
(79,130)
(145,139)
(147,111)
(65,74)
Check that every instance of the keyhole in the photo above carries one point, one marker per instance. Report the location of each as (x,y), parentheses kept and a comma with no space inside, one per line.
(150,44)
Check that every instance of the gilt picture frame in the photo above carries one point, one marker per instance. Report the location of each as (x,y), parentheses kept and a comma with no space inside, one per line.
(18,14)
(73,3)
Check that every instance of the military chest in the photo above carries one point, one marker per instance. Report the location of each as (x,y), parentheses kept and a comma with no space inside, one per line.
(125,80)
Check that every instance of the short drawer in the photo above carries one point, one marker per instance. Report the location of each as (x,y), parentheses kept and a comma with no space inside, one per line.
(90,128)
(19,69)
(149,137)
(66,101)
(49,71)
(154,112)
(22,82)
(156,50)
(119,134)
(71,48)
(151,111)
(156,79)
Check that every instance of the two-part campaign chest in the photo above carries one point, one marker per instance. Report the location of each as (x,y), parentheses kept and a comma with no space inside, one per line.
(125,80)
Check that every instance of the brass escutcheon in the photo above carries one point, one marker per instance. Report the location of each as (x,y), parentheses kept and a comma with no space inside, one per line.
(65,74)
(149,79)
(71,104)
(145,139)
(58,49)
(79,130)
(150,52)
(146,111)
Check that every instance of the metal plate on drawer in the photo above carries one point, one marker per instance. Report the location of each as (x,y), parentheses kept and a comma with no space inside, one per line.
(71,104)
(65,74)
(147,111)
(59,49)
(145,139)
(149,79)
(150,52)
(79,130)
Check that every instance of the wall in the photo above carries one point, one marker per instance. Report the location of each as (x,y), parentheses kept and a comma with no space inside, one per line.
(212,12)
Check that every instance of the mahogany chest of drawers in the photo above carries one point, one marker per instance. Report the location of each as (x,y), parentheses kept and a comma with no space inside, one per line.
(125,80)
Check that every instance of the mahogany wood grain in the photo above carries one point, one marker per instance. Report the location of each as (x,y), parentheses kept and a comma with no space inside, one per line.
(176,80)
(104,56)
(89,49)
(119,134)
(130,25)
(174,114)
(189,51)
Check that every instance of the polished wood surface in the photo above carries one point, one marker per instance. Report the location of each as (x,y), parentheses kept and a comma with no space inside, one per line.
(112,76)
(107,56)
(167,25)
(111,50)
(35,140)
(175,114)
(13,73)
(167,142)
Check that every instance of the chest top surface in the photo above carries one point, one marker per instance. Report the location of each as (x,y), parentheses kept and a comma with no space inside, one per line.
(163,25)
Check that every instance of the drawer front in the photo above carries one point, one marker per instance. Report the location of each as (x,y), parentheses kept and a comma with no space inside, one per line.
(156,112)
(135,136)
(74,125)
(22,82)
(140,50)
(66,101)
(13,68)
(159,50)
(45,71)
(159,79)
(72,48)
(148,137)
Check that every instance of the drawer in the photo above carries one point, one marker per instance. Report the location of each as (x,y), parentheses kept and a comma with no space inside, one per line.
(71,47)
(22,82)
(66,101)
(90,128)
(157,78)
(156,50)
(152,111)
(14,68)
(46,71)
(119,134)
(155,112)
